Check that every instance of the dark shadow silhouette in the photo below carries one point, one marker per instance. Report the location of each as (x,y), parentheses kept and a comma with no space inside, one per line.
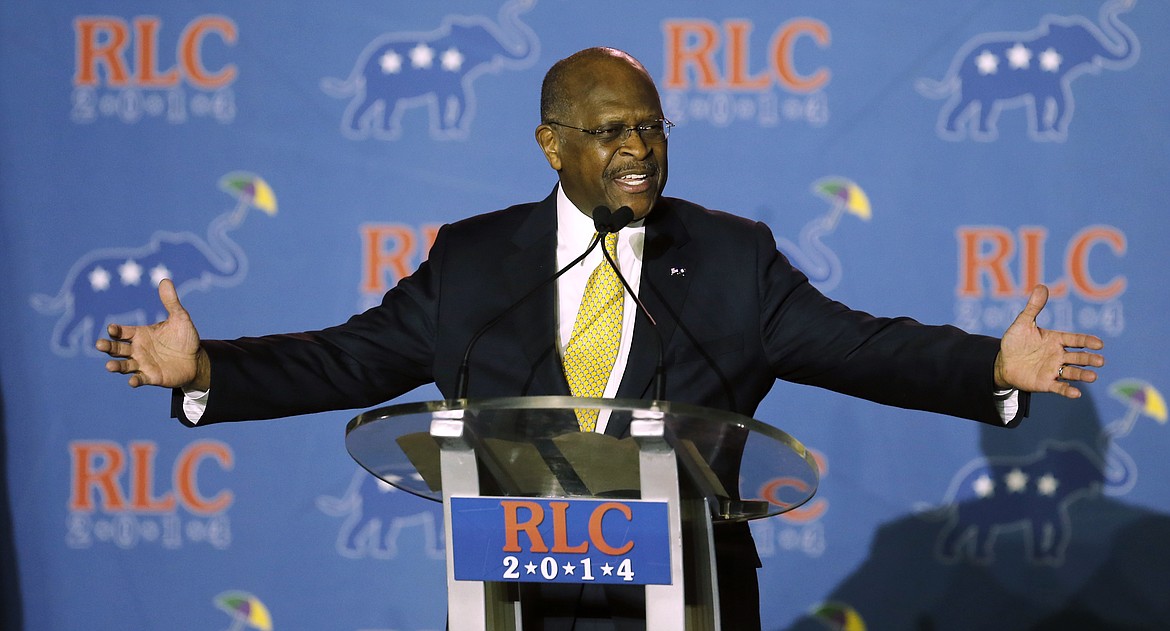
(1028,538)
(11,616)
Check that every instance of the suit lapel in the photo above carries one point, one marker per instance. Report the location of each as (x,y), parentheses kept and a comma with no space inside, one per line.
(664,288)
(534,321)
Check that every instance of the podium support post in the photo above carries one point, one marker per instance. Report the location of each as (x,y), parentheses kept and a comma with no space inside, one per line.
(471,605)
(693,546)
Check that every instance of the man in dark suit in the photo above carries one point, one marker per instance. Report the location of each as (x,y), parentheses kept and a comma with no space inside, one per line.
(734,315)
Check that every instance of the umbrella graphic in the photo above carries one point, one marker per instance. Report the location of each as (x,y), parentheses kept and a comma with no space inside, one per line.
(811,254)
(245,610)
(250,190)
(838,617)
(846,196)
(1142,398)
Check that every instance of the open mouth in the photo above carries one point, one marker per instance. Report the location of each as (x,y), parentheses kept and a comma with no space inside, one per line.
(638,181)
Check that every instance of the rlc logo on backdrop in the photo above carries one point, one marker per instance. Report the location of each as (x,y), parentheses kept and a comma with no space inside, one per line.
(1034,492)
(697,87)
(999,71)
(377,516)
(390,252)
(113,498)
(399,71)
(117,71)
(990,296)
(117,285)
(800,529)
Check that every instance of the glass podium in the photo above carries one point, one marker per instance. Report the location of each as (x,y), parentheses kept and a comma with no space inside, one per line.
(703,466)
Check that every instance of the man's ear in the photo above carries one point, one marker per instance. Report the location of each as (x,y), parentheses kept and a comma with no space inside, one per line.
(550,145)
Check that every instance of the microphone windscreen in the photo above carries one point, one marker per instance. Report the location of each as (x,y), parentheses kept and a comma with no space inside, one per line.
(602,216)
(621,218)
(605,220)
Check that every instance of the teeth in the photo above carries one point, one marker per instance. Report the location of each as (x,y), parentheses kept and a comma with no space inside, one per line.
(633,178)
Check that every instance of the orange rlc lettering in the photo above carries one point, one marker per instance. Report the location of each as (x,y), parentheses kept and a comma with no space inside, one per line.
(186,477)
(560,530)
(98,464)
(100,41)
(596,535)
(985,250)
(513,525)
(811,511)
(190,45)
(142,466)
(690,43)
(737,58)
(989,250)
(1077,262)
(88,473)
(1032,262)
(783,54)
(815,508)
(146,45)
(386,249)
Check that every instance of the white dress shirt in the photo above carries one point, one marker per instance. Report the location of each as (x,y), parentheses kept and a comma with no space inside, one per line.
(574,232)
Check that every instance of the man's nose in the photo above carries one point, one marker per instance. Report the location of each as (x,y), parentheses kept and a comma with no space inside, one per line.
(632,144)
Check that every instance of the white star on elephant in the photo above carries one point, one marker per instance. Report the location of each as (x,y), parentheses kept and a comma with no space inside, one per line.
(1047,484)
(1050,60)
(983,486)
(99,279)
(130,272)
(987,62)
(422,56)
(391,63)
(1019,57)
(451,59)
(1017,481)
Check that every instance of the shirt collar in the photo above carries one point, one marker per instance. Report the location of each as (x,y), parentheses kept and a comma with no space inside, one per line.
(574,226)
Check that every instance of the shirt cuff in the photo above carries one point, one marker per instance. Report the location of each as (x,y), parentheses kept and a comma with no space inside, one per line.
(194,404)
(1007,403)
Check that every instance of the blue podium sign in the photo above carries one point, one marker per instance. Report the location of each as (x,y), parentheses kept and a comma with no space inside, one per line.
(515,539)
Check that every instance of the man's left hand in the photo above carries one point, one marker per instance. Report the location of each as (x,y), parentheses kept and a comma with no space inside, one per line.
(1038,360)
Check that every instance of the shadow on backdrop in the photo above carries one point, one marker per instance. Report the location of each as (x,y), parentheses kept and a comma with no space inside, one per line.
(1029,537)
(10,617)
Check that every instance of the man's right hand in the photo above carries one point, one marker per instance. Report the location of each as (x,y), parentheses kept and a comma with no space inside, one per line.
(165,354)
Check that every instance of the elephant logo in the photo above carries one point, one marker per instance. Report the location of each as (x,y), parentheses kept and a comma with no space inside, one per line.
(994,494)
(399,71)
(1034,69)
(114,285)
(376,515)
(817,260)
(990,496)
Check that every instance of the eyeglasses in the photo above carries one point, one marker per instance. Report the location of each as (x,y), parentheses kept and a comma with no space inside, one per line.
(651,133)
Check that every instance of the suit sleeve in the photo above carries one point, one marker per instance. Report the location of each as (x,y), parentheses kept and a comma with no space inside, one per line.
(373,357)
(810,339)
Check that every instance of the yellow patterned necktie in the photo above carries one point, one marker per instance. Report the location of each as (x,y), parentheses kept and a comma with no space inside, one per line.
(597,333)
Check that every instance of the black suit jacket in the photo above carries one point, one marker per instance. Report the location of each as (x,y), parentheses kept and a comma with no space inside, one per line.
(733,314)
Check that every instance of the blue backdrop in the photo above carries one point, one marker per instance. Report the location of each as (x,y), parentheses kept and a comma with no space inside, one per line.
(288,164)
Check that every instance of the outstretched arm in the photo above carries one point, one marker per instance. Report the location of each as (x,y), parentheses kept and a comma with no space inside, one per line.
(165,354)
(1038,360)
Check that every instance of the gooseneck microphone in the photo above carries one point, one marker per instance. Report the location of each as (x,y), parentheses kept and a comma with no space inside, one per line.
(605,222)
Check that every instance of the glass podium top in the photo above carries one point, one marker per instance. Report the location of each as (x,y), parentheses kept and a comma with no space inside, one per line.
(531,447)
